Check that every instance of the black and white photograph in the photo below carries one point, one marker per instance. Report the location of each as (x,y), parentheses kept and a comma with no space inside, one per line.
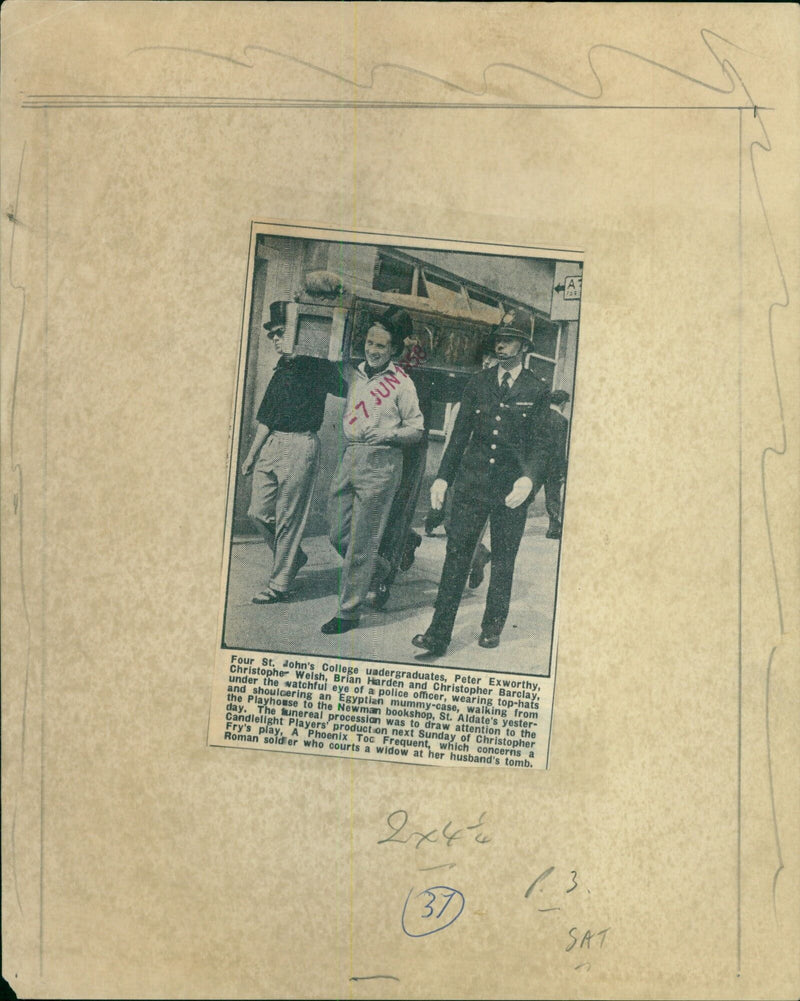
(400,455)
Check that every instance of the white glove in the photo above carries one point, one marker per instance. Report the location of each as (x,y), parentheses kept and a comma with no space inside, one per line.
(519,492)
(438,490)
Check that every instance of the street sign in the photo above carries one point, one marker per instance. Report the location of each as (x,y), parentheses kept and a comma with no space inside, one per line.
(572,286)
(567,283)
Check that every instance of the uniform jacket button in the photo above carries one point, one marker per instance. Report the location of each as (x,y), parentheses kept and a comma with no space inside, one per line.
(495,431)
(494,446)
(498,418)
(491,462)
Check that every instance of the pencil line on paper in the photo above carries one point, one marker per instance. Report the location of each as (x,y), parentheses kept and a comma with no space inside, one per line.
(13,217)
(775,828)
(246,62)
(765,145)
(377,976)
(111,102)
(739,600)
(44,537)
(595,93)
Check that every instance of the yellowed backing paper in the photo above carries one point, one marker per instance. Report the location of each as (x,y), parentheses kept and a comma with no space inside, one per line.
(140,143)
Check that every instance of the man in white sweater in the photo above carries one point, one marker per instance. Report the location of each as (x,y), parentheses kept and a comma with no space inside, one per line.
(381,415)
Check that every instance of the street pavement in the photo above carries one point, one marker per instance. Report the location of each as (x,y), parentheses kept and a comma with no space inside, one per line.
(293,627)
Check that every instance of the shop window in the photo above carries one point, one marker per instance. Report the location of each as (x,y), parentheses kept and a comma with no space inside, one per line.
(393,275)
(438,281)
(483,297)
(545,338)
(543,369)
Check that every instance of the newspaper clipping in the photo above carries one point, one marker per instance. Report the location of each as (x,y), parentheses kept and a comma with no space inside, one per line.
(396,499)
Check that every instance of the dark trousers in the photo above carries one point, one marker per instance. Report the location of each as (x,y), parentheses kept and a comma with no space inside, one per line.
(401,514)
(469,517)
(552,500)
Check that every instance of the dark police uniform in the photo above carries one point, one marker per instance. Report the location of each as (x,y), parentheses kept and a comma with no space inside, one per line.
(497,438)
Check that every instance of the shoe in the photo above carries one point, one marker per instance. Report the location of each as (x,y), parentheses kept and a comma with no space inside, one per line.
(479,561)
(300,561)
(380,596)
(413,542)
(434,646)
(489,640)
(337,625)
(553,533)
(269,596)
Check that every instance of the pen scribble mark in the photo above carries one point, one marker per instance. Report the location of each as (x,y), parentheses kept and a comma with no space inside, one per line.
(445,865)
(377,976)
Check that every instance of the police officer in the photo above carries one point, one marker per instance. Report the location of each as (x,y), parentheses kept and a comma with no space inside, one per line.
(496,453)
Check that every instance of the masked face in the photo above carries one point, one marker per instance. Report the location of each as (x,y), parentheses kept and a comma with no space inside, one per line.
(378,347)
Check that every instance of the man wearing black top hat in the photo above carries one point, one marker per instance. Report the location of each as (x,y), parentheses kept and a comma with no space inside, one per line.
(284,456)
(497,452)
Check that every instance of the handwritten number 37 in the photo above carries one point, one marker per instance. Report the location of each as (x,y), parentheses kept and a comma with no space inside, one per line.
(431,910)
(429,906)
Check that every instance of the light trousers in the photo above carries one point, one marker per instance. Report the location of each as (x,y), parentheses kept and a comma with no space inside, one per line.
(283,484)
(361,496)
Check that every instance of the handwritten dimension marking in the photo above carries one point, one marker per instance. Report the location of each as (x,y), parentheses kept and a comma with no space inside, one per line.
(443,906)
(398,819)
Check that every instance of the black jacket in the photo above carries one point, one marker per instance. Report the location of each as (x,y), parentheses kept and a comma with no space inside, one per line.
(559,432)
(495,441)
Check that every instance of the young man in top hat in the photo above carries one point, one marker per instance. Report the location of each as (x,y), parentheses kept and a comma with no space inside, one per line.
(284,456)
(381,416)
(496,453)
